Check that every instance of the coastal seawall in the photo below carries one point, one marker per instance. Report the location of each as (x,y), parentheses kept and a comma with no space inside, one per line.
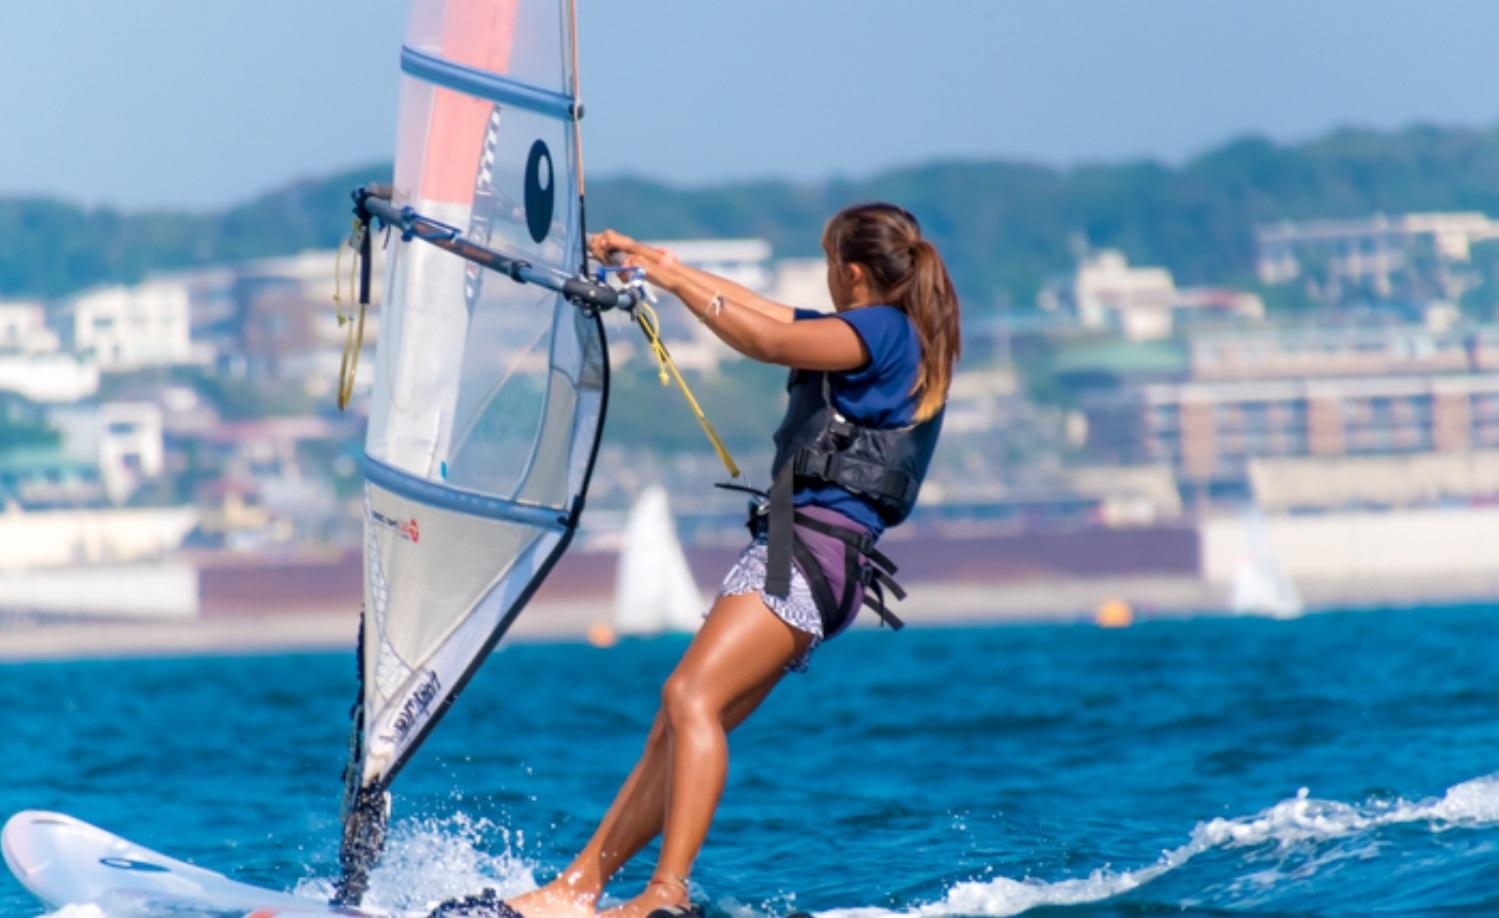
(248,604)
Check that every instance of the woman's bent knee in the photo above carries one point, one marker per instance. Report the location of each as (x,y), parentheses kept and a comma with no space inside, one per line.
(683,701)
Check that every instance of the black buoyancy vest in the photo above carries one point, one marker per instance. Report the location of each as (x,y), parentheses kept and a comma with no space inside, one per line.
(884,465)
(817,445)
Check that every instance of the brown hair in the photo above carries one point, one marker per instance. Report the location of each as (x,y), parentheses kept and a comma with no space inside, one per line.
(908,272)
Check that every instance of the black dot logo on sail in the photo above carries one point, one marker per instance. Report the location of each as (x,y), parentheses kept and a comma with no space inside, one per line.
(541,191)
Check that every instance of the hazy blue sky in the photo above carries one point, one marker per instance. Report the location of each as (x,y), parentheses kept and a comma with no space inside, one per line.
(148,103)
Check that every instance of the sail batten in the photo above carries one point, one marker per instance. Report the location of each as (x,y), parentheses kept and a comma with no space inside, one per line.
(461,501)
(487,86)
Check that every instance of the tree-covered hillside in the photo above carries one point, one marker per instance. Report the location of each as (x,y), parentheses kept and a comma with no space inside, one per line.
(1004,226)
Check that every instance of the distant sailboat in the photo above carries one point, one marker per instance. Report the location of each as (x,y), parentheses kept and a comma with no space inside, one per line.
(1262,586)
(655,591)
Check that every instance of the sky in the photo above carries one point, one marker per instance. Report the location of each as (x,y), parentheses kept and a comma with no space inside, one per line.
(203,103)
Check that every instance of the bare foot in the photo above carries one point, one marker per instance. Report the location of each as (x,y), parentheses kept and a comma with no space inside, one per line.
(656,895)
(558,899)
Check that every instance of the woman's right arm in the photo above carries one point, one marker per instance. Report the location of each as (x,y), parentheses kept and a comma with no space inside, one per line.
(610,241)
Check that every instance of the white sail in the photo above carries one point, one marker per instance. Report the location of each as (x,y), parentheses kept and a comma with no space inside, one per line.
(488,394)
(655,591)
(1261,584)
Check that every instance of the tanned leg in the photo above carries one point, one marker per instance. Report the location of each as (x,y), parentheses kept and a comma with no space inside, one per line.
(742,648)
(634,818)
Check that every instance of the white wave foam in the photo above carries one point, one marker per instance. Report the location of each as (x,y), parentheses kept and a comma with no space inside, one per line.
(1291,823)
(77,911)
(427,861)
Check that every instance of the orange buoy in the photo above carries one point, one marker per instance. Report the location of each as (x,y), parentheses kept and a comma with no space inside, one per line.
(601,634)
(1114,613)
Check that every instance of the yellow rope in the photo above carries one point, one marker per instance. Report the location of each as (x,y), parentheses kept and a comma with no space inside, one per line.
(646,318)
(348,365)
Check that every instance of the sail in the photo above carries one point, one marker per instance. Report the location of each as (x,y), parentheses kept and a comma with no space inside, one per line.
(1261,584)
(488,396)
(654,591)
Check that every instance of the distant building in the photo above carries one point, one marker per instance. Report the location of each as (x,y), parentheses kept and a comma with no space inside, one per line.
(1208,431)
(127,328)
(1327,351)
(744,261)
(89,536)
(122,440)
(291,330)
(1107,293)
(1413,257)
(1320,483)
(1313,352)
(801,282)
(48,378)
(265,488)
(213,314)
(24,329)
(1144,303)
(32,363)
(275,318)
(45,477)
(1217,303)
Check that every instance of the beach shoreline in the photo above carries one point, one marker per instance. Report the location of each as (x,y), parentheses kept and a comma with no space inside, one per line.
(580,618)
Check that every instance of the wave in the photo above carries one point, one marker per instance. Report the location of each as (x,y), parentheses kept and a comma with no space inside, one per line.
(1290,824)
(431,860)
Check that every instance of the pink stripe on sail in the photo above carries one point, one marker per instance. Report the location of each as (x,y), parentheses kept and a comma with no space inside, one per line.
(475,33)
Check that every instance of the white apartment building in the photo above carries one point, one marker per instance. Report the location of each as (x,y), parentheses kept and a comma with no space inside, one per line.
(32,363)
(1376,252)
(1107,293)
(1144,303)
(125,328)
(24,329)
(48,378)
(124,439)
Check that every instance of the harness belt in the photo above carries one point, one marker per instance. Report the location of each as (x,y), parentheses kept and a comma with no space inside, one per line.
(863,564)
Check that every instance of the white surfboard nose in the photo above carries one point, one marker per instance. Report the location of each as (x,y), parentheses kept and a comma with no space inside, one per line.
(22,841)
(65,861)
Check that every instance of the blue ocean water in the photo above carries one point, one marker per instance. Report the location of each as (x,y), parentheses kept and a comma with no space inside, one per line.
(1337,764)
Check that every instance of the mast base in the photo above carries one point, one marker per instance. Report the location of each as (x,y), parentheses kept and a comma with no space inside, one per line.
(363,840)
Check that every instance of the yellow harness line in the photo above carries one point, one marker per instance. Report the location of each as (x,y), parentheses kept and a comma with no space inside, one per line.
(348,366)
(650,325)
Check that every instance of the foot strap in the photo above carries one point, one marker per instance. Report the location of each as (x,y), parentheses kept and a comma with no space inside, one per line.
(486,904)
(677,911)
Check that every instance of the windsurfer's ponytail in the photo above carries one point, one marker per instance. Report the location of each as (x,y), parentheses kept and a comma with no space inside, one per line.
(909,274)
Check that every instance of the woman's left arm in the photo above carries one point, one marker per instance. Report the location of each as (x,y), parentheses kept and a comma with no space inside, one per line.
(807,345)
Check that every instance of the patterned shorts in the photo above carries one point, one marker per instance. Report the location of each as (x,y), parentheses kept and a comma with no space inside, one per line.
(797,609)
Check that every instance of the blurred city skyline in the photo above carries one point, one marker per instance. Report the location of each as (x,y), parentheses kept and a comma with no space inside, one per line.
(157,105)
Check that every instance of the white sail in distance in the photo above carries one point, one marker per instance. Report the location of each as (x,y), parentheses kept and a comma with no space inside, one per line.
(655,591)
(488,397)
(1261,585)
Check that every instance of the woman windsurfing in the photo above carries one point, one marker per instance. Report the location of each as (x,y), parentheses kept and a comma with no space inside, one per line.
(867,389)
